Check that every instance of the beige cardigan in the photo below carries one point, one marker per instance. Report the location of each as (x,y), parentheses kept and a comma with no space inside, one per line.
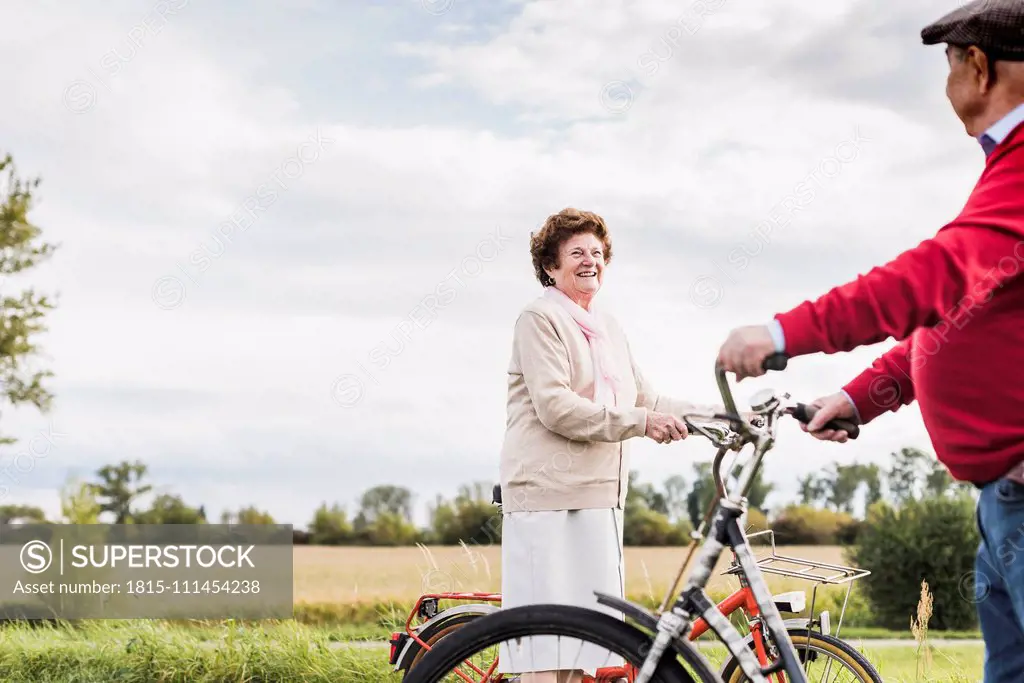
(561,450)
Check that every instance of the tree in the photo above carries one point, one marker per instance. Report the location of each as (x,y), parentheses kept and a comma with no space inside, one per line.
(675,498)
(247,515)
(940,483)
(384,500)
(813,489)
(844,480)
(703,490)
(470,518)
(759,490)
(871,476)
(388,529)
(645,518)
(646,494)
(28,513)
(120,488)
(21,316)
(837,488)
(330,526)
(643,526)
(701,494)
(78,504)
(171,509)
(910,466)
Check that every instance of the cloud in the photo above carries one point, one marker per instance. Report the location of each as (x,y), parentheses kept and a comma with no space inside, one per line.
(354,328)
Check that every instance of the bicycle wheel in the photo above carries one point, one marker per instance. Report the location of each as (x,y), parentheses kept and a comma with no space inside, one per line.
(431,636)
(472,649)
(824,658)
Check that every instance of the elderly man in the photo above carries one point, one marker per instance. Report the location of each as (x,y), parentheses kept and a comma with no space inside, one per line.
(955,303)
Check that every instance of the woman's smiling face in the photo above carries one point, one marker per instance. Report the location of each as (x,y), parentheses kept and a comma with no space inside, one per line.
(580,270)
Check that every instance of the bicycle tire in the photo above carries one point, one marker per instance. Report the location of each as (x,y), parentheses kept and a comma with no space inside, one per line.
(802,638)
(568,621)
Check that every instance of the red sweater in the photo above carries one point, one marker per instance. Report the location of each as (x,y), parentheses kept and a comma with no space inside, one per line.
(956,304)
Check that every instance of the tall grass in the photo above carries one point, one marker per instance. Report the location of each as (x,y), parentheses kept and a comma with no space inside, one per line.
(229,652)
(953,672)
(102,652)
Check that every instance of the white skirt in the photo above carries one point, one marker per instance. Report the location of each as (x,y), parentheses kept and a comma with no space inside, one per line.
(560,557)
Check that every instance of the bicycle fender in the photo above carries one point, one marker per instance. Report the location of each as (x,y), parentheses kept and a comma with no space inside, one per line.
(749,639)
(641,615)
(408,651)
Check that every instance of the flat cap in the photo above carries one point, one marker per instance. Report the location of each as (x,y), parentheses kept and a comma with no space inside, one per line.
(995,26)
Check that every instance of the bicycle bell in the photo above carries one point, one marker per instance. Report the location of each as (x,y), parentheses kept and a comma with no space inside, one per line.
(764,400)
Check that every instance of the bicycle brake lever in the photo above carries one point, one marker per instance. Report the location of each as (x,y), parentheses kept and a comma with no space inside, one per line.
(717,433)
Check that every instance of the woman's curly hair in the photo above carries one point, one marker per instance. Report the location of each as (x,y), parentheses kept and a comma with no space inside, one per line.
(559,227)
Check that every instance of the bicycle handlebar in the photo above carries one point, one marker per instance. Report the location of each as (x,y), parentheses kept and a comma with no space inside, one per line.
(767,407)
(804,413)
(801,411)
(776,361)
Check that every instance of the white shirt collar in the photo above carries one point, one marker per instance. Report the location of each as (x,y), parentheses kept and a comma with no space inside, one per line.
(1001,128)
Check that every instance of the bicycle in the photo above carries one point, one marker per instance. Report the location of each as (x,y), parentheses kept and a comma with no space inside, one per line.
(442,644)
(409,646)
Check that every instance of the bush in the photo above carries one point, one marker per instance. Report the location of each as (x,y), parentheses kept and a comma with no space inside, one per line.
(805,525)
(849,531)
(467,521)
(645,527)
(933,540)
(756,521)
(388,529)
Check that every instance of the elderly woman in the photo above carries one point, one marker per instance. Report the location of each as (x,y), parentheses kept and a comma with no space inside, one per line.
(575,398)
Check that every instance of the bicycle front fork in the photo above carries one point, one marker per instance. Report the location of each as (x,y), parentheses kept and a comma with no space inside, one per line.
(674,624)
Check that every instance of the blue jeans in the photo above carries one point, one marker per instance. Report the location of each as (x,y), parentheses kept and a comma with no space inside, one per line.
(999,580)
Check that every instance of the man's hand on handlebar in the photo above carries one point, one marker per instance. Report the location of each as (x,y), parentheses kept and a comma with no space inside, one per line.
(665,428)
(825,419)
(829,408)
(745,350)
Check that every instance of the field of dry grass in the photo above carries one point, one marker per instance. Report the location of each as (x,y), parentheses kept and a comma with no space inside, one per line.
(358,574)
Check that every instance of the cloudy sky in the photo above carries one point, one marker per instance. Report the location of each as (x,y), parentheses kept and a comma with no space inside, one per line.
(294,236)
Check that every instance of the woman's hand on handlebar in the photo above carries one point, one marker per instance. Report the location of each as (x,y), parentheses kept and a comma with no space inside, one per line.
(665,428)
(830,407)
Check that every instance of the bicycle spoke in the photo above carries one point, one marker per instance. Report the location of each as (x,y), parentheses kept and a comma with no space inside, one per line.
(821,666)
(520,656)
(532,644)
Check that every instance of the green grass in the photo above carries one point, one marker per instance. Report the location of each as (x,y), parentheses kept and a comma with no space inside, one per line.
(141,651)
(375,620)
(156,652)
(950,663)
(870,633)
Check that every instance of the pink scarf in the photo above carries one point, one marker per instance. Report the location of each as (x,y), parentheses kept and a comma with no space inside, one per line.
(607,383)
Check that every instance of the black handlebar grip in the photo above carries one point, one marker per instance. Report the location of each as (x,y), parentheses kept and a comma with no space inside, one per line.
(776,361)
(804,413)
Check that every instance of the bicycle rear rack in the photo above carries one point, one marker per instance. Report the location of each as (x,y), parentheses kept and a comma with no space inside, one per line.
(836,574)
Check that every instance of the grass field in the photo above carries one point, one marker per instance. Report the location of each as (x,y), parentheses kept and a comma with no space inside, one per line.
(372,589)
(158,652)
(354,574)
(344,594)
